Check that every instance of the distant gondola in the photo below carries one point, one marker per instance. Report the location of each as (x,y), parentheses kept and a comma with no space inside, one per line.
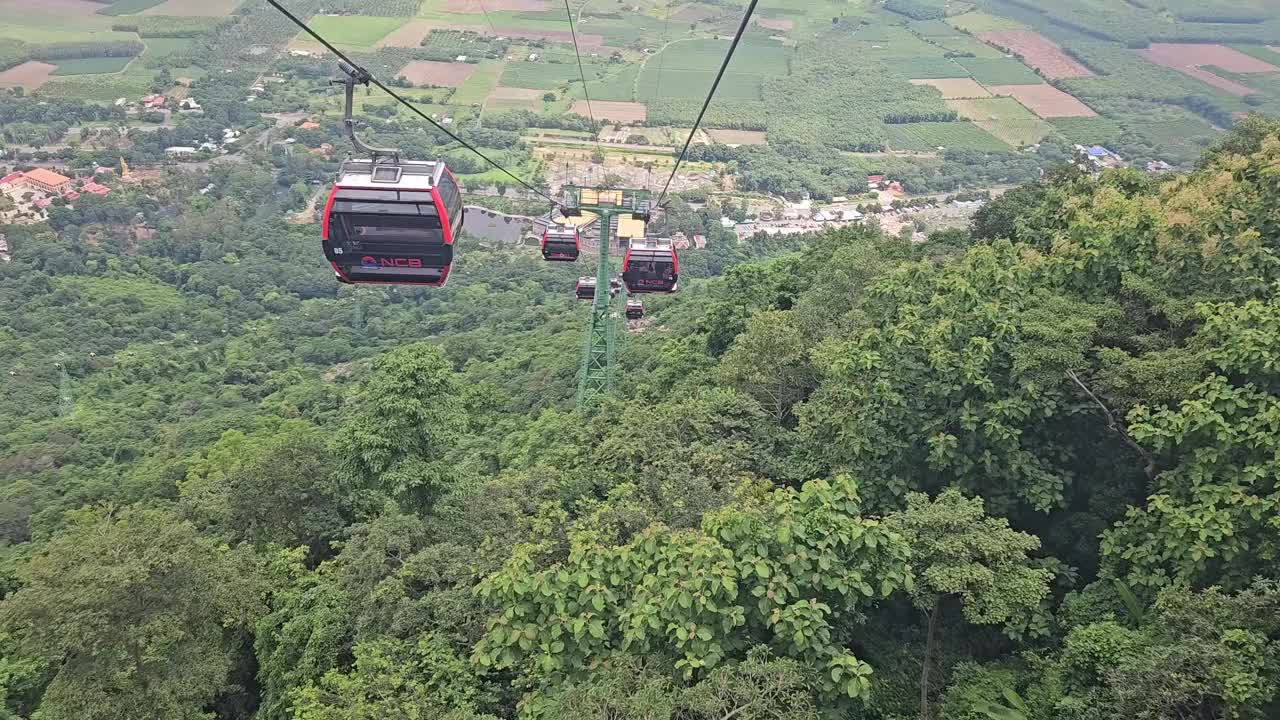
(586,288)
(651,266)
(635,308)
(560,244)
(393,222)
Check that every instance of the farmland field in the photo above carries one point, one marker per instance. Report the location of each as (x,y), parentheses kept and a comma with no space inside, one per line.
(956,88)
(1088,131)
(92,66)
(354,30)
(999,71)
(930,68)
(128,7)
(201,8)
(478,84)
(505,98)
(29,75)
(1004,118)
(1045,100)
(976,22)
(738,137)
(1038,52)
(1191,59)
(539,75)
(921,137)
(623,112)
(427,73)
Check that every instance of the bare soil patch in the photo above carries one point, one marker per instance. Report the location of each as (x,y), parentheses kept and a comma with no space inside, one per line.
(585,40)
(479,6)
(739,137)
(623,112)
(781,24)
(956,88)
(510,93)
(1046,101)
(1190,59)
(424,73)
(194,8)
(29,75)
(412,33)
(1039,52)
(1180,55)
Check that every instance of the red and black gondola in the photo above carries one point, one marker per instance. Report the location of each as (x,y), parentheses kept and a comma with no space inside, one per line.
(561,244)
(651,266)
(586,288)
(393,222)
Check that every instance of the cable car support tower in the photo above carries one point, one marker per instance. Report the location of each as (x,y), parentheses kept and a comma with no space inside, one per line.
(595,377)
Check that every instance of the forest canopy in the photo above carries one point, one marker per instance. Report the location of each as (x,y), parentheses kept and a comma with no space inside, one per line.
(1024,471)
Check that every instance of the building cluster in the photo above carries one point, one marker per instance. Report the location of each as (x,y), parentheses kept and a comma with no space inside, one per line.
(33,191)
(229,137)
(1097,158)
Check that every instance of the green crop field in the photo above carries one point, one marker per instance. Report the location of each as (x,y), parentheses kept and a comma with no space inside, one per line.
(92,66)
(929,68)
(539,75)
(953,135)
(1000,71)
(100,88)
(694,84)
(976,22)
(1088,131)
(479,85)
(933,29)
(1004,118)
(969,45)
(354,30)
(128,7)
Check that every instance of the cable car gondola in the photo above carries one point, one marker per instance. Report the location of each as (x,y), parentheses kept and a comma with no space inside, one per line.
(393,222)
(586,288)
(651,266)
(635,308)
(560,244)
(390,220)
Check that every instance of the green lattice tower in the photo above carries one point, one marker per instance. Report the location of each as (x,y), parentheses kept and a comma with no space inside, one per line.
(595,376)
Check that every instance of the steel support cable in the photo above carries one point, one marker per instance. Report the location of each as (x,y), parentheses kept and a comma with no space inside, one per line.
(365,75)
(583,74)
(737,38)
(488,19)
(662,59)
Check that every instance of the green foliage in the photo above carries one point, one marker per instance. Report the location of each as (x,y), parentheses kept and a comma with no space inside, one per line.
(783,571)
(400,434)
(139,614)
(164,26)
(958,551)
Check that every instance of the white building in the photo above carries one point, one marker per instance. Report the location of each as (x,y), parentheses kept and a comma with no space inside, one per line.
(179,150)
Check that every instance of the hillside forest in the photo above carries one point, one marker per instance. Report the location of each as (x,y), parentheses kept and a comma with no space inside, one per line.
(1027,470)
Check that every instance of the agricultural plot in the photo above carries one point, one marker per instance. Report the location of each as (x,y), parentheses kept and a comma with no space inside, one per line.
(539,75)
(694,84)
(999,71)
(57,21)
(738,137)
(1088,131)
(933,29)
(1045,100)
(968,45)
(128,7)
(979,22)
(483,6)
(428,73)
(199,8)
(1038,52)
(359,31)
(92,66)
(1004,118)
(505,98)
(923,137)
(30,75)
(479,85)
(929,68)
(621,112)
(956,88)
(1191,59)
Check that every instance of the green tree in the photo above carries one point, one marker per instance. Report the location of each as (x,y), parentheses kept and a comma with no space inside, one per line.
(769,361)
(785,571)
(140,615)
(405,425)
(959,552)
